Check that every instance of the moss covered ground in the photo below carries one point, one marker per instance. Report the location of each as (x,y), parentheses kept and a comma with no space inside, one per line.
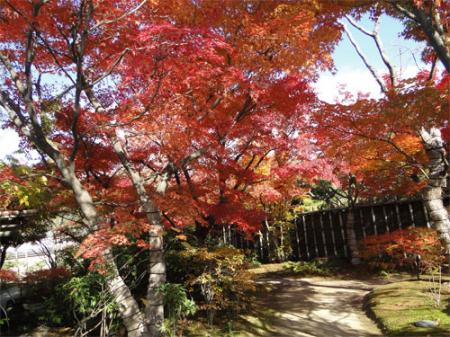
(396,306)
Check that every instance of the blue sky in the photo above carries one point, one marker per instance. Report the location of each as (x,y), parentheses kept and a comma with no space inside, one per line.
(350,70)
(400,50)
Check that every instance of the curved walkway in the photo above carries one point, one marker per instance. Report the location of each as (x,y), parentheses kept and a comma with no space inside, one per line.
(312,307)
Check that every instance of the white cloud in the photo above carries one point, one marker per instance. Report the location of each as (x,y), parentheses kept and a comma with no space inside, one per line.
(9,142)
(355,80)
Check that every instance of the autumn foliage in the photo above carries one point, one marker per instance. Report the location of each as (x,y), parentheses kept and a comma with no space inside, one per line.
(43,276)
(8,276)
(366,137)
(205,102)
(398,249)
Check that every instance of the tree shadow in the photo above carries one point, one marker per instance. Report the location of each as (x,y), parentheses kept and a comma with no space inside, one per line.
(296,307)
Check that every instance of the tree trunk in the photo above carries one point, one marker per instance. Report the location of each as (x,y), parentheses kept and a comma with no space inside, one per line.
(32,129)
(351,237)
(129,310)
(436,37)
(275,253)
(4,248)
(154,312)
(437,180)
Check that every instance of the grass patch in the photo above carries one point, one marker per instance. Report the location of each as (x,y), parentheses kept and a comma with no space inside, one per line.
(256,323)
(396,306)
(308,268)
(317,267)
(268,269)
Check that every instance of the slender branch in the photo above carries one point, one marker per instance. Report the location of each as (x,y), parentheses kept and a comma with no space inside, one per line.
(366,62)
(359,27)
(403,10)
(130,12)
(383,54)
(34,131)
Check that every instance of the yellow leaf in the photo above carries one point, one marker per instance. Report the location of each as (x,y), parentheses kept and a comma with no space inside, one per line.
(181,237)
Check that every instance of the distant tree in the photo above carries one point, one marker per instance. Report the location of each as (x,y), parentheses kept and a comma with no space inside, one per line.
(23,207)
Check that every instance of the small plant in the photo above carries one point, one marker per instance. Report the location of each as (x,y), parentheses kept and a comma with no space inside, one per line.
(42,282)
(217,279)
(229,330)
(8,276)
(385,273)
(4,319)
(307,268)
(91,303)
(435,288)
(177,307)
(253,261)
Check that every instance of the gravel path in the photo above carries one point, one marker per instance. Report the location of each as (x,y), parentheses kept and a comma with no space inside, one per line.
(312,307)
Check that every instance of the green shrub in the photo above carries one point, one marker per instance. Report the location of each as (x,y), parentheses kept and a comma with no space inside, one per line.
(218,279)
(42,303)
(90,302)
(177,306)
(307,268)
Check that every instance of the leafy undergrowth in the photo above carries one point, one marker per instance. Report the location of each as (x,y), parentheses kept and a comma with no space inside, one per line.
(312,268)
(257,320)
(396,306)
(318,267)
(253,322)
(250,323)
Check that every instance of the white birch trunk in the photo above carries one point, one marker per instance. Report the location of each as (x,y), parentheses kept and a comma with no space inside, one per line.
(154,312)
(129,311)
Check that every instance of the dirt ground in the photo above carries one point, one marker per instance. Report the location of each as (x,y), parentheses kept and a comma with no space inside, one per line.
(311,307)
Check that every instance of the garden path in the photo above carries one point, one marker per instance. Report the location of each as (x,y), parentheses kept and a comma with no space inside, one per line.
(311,307)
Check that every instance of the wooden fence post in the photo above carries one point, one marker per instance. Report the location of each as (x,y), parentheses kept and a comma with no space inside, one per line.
(386,220)
(411,214)
(374,221)
(344,238)
(397,214)
(363,226)
(425,213)
(333,239)
(305,236)
(322,232)
(297,238)
(351,237)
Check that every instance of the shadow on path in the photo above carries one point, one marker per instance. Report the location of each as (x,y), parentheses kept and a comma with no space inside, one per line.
(311,307)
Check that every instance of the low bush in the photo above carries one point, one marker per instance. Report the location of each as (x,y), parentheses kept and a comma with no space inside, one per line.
(8,276)
(398,250)
(217,279)
(177,306)
(41,303)
(43,281)
(92,305)
(307,268)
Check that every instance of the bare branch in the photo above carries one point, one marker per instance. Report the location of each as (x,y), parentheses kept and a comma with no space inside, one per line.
(359,27)
(433,68)
(375,35)
(383,54)
(34,131)
(366,62)
(403,10)
(130,12)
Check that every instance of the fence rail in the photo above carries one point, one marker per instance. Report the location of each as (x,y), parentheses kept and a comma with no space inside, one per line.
(323,233)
